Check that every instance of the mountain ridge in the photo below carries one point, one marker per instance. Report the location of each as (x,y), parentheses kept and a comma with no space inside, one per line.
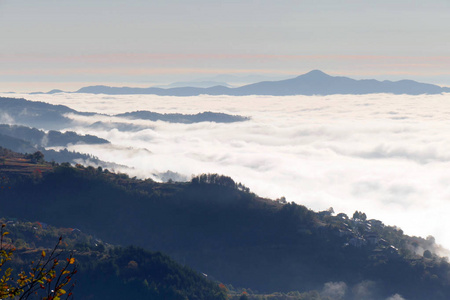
(314,82)
(18,111)
(218,227)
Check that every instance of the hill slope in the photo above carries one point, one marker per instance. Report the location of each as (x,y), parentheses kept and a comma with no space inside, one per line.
(183,118)
(15,111)
(219,228)
(106,271)
(48,139)
(60,156)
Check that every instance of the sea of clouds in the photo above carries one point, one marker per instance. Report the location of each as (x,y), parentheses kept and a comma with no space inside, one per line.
(386,155)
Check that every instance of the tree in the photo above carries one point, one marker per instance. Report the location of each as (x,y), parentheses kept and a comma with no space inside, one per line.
(363,217)
(359,216)
(47,278)
(427,254)
(37,157)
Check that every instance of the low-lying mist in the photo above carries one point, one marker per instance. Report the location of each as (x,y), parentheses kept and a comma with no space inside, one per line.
(382,154)
(367,290)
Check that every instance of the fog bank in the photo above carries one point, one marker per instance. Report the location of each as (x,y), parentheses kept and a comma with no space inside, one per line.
(382,154)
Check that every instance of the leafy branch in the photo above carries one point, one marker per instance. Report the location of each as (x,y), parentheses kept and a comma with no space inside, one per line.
(46,280)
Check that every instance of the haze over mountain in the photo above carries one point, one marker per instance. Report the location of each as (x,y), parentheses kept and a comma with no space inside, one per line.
(200,84)
(48,139)
(14,111)
(313,83)
(23,139)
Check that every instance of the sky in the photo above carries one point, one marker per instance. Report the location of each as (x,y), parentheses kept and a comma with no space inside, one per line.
(50,44)
(385,155)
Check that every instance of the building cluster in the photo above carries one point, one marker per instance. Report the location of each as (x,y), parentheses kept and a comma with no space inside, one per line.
(361,233)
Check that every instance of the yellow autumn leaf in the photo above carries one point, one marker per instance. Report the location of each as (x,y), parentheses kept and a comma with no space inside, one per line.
(43,253)
(72,260)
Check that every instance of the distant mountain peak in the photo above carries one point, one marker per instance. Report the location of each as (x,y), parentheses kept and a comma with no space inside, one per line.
(314,82)
(315,74)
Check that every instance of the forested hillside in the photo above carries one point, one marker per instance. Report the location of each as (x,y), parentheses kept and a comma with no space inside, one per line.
(183,118)
(105,271)
(220,228)
(51,138)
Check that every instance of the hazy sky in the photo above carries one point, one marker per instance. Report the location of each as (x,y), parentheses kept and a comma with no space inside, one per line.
(69,43)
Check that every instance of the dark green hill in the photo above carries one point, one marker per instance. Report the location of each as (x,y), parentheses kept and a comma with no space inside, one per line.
(60,156)
(55,117)
(48,139)
(16,144)
(219,228)
(35,114)
(110,272)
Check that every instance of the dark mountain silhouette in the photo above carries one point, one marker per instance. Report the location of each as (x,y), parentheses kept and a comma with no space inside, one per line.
(49,139)
(35,114)
(60,156)
(99,125)
(55,91)
(29,140)
(182,118)
(106,271)
(15,144)
(221,229)
(53,117)
(313,83)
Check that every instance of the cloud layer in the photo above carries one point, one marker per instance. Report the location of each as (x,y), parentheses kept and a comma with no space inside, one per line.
(383,154)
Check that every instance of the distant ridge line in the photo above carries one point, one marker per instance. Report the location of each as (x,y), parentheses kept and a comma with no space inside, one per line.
(315,82)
